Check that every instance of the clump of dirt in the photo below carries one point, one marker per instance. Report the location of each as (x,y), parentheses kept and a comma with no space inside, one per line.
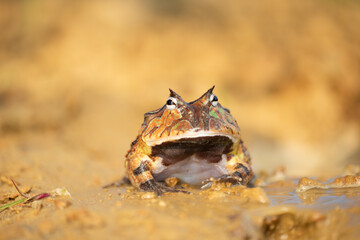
(292,223)
(340,182)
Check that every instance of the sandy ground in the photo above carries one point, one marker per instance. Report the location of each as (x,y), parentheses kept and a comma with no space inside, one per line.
(272,211)
(76,79)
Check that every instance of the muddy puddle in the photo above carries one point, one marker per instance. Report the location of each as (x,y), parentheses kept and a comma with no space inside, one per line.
(323,199)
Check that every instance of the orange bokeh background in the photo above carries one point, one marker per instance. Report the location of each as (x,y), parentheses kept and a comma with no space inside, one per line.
(87,71)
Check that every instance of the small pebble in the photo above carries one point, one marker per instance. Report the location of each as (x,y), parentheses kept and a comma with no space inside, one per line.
(148,195)
(171,181)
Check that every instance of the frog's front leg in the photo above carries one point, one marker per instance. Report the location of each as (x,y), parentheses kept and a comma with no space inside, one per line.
(238,168)
(138,167)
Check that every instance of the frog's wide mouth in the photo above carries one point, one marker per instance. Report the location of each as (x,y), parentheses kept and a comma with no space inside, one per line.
(190,135)
(209,148)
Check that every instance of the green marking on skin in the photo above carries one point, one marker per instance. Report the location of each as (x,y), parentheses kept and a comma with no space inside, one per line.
(157,121)
(213,113)
(180,124)
(221,110)
(176,126)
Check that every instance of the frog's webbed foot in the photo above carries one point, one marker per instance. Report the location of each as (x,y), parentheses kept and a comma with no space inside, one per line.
(241,175)
(239,171)
(153,186)
(118,183)
(232,179)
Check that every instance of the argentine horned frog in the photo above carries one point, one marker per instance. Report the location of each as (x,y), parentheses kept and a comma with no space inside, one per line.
(192,141)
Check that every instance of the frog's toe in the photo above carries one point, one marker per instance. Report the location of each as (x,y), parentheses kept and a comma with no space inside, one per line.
(171,189)
(158,188)
(206,184)
(233,180)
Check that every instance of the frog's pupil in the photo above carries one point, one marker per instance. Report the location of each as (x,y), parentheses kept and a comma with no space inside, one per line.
(215,99)
(170,102)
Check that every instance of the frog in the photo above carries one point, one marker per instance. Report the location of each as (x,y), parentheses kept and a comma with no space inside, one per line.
(196,142)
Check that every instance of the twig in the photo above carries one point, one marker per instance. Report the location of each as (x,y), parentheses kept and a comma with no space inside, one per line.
(26,198)
(18,190)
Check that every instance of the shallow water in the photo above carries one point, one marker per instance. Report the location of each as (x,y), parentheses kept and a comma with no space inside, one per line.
(321,199)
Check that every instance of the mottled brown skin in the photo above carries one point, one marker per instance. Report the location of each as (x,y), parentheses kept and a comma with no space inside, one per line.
(182,129)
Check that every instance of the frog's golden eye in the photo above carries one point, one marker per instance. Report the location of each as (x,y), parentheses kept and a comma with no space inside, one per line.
(171,103)
(213,100)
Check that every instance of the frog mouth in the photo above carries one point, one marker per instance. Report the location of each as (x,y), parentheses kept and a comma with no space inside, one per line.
(197,135)
(207,148)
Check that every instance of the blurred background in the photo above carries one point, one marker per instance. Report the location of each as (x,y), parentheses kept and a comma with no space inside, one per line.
(83,73)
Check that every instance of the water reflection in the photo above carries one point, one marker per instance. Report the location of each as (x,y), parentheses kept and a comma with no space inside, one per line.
(324,199)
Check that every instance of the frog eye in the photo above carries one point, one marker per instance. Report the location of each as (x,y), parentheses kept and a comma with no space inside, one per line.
(213,100)
(171,103)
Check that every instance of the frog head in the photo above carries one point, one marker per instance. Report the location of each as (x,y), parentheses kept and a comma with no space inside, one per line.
(177,120)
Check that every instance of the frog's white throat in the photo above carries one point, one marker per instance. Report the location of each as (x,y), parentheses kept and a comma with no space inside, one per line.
(192,160)
(191,170)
